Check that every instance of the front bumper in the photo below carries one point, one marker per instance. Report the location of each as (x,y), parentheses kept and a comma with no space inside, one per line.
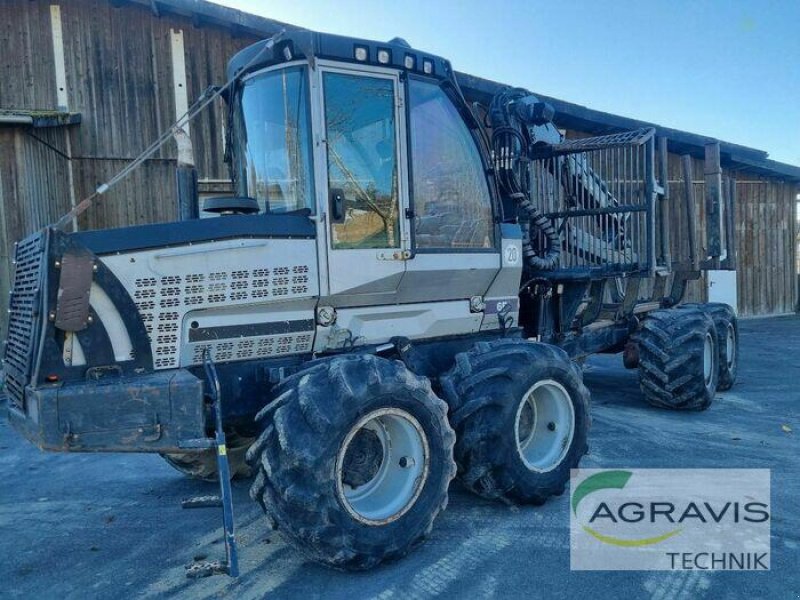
(160,412)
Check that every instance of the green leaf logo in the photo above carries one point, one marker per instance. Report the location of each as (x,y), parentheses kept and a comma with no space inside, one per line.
(611,480)
(599,481)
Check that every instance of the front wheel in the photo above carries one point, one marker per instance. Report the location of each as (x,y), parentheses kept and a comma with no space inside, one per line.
(521,415)
(354,460)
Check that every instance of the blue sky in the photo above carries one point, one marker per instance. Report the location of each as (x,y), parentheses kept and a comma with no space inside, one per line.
(730,70)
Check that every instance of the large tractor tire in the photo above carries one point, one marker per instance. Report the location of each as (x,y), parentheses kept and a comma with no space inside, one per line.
(521,415)
(678,357)
(354,460)
(728,337)
(203,465)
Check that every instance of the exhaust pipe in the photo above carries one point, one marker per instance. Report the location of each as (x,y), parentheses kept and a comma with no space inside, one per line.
(186,178)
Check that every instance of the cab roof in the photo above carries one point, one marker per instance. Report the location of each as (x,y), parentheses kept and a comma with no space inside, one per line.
(303,44)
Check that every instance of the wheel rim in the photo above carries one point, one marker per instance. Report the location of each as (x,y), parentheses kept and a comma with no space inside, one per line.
(730,346)
(382,466)
(544,426)
(708,359)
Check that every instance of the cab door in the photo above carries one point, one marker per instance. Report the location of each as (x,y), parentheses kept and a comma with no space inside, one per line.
(363,195)
(456,249)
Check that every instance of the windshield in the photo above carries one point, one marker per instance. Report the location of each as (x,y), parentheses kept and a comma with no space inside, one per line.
(272,132)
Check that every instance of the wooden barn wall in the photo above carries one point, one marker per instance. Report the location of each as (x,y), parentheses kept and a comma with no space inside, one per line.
(119,76)
(26,56)
(766,230)
(147,195)
(118,63)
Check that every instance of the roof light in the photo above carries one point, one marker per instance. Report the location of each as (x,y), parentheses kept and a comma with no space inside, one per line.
(427,66)
(287,53)
(409,61)
(384,57)
(361,53)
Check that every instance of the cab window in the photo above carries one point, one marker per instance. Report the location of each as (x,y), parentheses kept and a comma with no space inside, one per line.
(452,204)
(273,134)
(362,160)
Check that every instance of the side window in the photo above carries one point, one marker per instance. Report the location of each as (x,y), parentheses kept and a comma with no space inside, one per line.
(452,203)
(274,137)
(362,160)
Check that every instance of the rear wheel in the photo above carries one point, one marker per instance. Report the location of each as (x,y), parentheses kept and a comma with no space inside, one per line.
(678,359)
(354,460)
(727,326)
(521,415)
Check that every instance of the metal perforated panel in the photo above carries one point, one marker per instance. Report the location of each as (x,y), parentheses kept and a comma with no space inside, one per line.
(166,287)
(253,347)
(162,301)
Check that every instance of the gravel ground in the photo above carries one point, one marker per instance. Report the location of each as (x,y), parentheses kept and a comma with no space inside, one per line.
(111,526)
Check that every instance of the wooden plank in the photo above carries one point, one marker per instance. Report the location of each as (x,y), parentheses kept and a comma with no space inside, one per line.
(62,98)
(773,233)
(180,93)
(743,237)
(754,256)
(778,244)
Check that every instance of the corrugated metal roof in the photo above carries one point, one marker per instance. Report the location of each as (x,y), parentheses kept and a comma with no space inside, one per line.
(208,13)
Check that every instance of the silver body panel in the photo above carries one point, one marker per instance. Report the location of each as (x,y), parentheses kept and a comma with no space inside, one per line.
(172,287)
(378,324)
(505,287)
(446,276)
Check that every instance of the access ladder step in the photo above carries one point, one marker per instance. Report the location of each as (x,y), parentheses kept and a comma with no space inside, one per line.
(202,502)
(230,566)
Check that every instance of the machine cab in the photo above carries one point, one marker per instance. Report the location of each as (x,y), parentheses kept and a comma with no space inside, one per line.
(375,143)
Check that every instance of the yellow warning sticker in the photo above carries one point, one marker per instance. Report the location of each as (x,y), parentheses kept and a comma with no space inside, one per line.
(222,450)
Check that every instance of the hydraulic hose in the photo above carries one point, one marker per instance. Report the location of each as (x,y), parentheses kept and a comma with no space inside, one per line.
(549,260)
(510,143)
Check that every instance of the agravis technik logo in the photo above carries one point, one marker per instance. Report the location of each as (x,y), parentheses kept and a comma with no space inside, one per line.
(716,519)
(609,480)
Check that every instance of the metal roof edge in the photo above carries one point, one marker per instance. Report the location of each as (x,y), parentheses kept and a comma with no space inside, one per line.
(38,118)
(209,13)
(575,116)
